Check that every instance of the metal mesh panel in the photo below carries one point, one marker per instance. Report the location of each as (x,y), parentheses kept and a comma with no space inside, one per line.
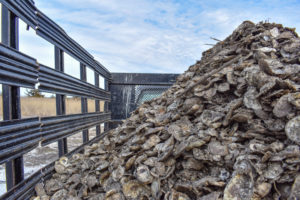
(147,93)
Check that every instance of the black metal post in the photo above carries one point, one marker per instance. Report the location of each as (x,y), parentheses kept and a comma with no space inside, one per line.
(60,99)
(84,106)
(97,103)
(5,26)
(106,105)
(111,123)
(11,95)
(14,31)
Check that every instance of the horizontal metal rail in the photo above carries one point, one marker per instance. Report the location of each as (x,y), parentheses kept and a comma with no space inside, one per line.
(25,189)
(55,81)
(55,128)
(16,68)
(143,79)
(18,137)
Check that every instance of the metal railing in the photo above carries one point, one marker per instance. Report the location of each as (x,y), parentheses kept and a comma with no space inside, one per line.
(19,136)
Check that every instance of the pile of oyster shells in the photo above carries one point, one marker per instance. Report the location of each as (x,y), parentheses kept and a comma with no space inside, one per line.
(228,129)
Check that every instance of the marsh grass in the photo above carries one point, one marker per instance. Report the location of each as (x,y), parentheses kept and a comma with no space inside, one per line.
(42,107)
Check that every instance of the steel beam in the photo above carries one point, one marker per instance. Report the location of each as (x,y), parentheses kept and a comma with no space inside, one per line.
(60,99)
(106,104)
(84,106)
(97,103)
(11,95)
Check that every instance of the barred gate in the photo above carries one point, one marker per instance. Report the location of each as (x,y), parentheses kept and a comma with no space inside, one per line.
(19,136)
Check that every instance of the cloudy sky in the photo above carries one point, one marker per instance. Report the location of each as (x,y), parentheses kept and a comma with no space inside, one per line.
(157,36)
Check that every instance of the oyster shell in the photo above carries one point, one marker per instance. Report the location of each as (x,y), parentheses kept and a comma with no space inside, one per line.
(295,193)
(292,129)
(143,174)
(134,189)
(228,128)
(263,189)
(240,187)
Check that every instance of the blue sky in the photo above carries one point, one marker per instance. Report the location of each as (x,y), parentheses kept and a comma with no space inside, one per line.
(155,36)
(149,36)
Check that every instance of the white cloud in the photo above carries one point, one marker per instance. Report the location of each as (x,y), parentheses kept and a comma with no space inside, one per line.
(157,36)
(123,40)
(150,35)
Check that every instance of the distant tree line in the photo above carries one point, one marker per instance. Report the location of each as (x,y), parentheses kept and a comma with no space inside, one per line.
(34,93)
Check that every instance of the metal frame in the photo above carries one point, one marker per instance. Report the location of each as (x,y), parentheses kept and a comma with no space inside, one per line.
(19,136)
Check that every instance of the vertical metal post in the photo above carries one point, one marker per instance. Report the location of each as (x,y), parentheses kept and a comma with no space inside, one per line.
(14,31)
(97,103)
(106,105)
(111,124)
(11,95)
(60,99)
(84,106)
(5,26)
